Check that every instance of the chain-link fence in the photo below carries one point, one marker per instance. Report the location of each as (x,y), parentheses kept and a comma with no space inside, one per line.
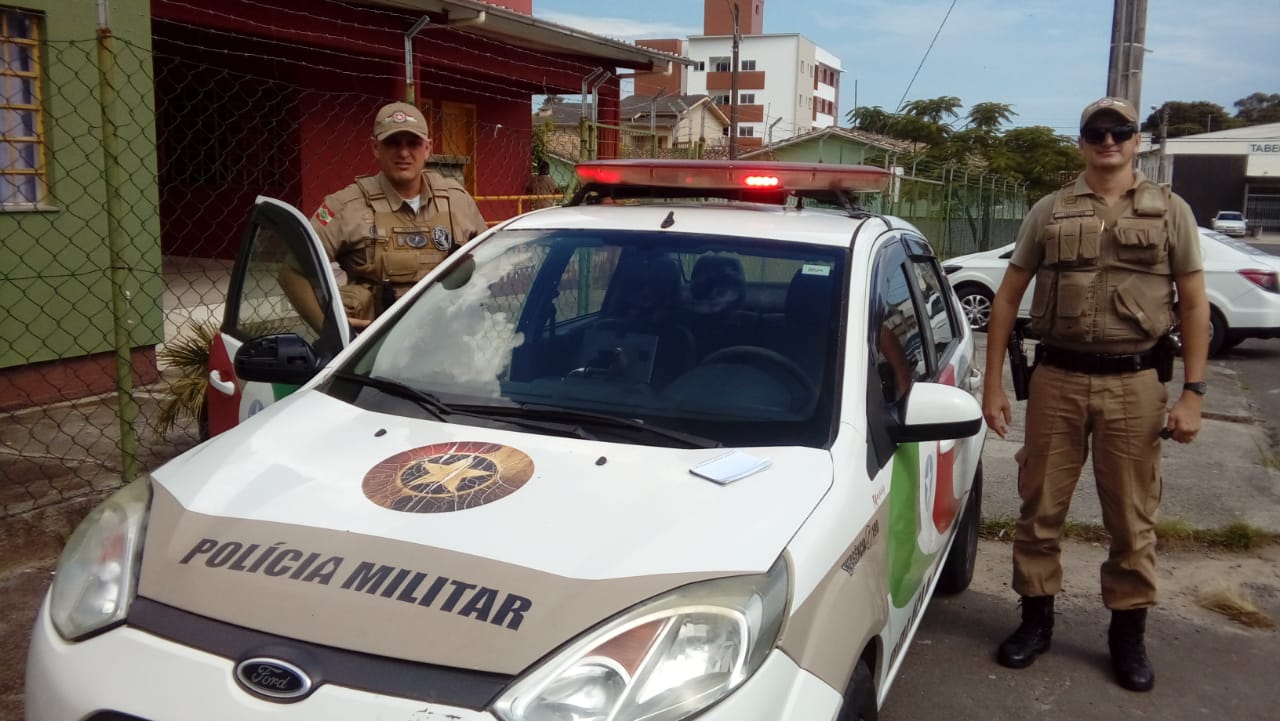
(129,170)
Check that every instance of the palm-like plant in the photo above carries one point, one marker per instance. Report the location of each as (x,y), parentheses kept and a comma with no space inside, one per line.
(189,355)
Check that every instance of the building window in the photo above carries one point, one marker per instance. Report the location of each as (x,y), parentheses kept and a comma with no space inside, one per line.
(720,99)
(721,64)
(700,66)
(804,69)
(748,65)
(746,131)
(22,169)
(747,98)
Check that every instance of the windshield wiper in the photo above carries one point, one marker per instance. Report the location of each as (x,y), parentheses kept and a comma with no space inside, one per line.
(601,419)
(439,409)
(427,401)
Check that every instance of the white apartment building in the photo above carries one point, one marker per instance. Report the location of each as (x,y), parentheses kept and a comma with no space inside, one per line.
(786,84)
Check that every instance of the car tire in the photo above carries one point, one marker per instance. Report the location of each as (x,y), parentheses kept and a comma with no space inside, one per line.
(1218,332)
(859,696)
(957,571)
(976,302)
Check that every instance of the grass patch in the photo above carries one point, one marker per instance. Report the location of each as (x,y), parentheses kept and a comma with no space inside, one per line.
(1173,534)
(1232,601)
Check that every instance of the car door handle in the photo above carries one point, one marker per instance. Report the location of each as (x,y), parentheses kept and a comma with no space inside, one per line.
(975,378)
(223,387)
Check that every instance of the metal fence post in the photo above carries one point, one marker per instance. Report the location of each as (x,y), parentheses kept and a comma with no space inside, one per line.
(120,295)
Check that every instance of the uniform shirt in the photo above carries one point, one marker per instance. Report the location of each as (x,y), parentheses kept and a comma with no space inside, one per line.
(345,218)
(1184,238)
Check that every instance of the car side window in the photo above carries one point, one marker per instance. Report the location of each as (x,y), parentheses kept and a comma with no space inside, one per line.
(899,341)
(941,319)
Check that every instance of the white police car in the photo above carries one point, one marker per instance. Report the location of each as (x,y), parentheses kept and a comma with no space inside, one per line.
(625,459)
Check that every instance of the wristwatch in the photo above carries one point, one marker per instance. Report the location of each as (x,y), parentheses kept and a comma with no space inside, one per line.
(1198,387)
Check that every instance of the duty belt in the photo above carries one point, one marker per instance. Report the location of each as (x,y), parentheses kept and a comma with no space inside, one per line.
(1097,363)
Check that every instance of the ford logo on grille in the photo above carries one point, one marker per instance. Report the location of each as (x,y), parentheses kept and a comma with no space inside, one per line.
(273,679)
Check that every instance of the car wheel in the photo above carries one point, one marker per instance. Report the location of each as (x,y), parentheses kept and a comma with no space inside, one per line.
(957,571)
(976,302)
(860,696)
(1217,332)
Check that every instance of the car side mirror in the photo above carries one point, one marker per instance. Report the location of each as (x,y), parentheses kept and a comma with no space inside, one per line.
(937,412)
(284,358)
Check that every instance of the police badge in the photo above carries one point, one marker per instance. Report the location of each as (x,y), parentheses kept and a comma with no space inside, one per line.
(441,239)
(416,240)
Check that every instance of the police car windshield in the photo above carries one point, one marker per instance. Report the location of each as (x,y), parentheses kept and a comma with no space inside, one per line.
(733,339)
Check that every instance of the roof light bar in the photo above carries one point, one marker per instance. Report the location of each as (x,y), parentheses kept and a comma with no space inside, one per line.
(729,174)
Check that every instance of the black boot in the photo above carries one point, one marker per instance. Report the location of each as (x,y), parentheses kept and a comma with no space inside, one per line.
(1032,636)
(1128,652)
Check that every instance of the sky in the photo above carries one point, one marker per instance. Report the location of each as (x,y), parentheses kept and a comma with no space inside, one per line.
(1046,58)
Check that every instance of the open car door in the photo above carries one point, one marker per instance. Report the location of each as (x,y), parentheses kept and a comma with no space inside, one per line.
(279,242)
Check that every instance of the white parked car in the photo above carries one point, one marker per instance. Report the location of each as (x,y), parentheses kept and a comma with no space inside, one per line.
(623,459)
(1241,283)
(1230,222)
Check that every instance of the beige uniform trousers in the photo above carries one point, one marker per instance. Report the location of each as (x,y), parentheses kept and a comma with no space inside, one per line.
(1121,416)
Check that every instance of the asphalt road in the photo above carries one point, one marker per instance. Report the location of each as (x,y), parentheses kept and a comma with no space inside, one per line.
(1257,360)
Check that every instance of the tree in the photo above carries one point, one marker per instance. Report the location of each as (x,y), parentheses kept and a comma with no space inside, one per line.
(871,119)
(1258,108)
(1039,156)
(1188,118)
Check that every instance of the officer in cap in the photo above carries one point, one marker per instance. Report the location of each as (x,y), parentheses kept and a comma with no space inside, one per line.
(1107,252)
(387,231)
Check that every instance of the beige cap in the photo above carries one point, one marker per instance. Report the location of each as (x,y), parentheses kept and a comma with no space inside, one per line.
(399,118)
(1119,106)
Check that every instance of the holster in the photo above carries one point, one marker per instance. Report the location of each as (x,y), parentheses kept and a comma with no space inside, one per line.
(1167,346)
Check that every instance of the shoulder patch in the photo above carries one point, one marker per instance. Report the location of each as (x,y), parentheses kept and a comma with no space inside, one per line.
(324,214)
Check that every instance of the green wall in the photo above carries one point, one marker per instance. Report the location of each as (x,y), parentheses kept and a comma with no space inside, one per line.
(55,288)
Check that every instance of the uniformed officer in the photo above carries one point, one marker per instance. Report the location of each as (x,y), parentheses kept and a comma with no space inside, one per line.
(387,231)
(1107,252)
(541,184)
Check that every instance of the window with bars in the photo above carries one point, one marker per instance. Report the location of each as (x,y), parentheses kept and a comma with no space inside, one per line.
(21,137)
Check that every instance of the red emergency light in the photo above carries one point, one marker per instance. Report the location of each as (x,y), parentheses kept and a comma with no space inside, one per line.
(734,174)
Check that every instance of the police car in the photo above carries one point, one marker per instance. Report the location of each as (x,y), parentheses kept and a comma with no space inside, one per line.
(703,442)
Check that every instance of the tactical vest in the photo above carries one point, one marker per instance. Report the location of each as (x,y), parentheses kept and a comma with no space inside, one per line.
(1109,289)
(401,252)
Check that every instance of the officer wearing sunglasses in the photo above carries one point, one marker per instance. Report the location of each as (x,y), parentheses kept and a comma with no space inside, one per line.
(1107,252)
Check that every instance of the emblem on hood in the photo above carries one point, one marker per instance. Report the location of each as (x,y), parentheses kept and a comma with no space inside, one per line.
(445,477)
(273,679)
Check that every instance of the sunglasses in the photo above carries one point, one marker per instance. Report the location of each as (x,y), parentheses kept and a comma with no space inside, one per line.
(1095,135)
(403,140)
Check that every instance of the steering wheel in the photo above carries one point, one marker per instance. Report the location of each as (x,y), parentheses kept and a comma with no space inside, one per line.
(771,362)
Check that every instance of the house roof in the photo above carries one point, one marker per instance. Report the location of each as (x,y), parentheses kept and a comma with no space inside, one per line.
(635,108)
(670,107)
(876,140)
(522,30)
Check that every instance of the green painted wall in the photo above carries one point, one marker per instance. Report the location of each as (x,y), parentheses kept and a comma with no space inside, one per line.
(55,288)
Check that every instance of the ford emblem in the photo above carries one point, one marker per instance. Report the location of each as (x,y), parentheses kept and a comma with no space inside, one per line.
(273,679)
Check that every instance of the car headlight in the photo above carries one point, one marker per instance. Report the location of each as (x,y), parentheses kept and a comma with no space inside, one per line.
(97,573)
(666,659)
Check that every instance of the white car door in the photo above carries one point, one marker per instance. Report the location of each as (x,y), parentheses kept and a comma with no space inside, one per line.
(279,240)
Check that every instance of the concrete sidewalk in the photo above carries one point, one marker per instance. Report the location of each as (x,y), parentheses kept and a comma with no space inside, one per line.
(1229,473)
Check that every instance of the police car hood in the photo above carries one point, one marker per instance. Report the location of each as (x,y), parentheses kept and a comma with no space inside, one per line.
(450,544)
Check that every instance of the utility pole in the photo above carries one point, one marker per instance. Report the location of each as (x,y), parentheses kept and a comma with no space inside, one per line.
(1128,46)
(733,86)
(1164,141)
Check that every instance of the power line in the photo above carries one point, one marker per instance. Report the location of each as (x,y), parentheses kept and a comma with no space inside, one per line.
(926,55)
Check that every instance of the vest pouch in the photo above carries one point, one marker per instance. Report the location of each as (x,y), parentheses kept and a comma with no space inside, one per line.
(1076,303)
(1133,307)
(1049,239)
(1140,241)
(402,267)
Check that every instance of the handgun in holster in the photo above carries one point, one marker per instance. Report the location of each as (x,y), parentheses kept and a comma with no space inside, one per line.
(1167,346)
(1018,364)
